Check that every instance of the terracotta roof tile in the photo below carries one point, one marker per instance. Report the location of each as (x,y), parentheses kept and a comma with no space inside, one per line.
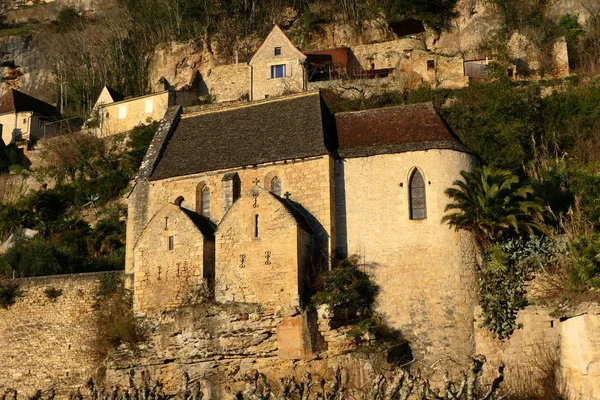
(394,130)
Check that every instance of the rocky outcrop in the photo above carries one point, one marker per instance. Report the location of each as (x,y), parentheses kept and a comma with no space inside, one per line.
(580,353)
(24,67)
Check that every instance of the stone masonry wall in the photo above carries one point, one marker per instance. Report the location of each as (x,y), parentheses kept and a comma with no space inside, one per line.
(46,342)
(529,353)
(269,270)
(167,278)
(262,84)
(140,110)
(228,82)
(386,54)
(580,354)
(308,183)
(424,269)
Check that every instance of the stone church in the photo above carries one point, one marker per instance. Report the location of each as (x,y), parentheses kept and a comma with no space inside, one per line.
(244,201)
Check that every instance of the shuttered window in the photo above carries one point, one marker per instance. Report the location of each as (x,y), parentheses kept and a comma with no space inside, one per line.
(277,71)
(418,206)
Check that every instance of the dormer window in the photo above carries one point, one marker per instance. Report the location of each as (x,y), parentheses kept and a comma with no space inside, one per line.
(277,51)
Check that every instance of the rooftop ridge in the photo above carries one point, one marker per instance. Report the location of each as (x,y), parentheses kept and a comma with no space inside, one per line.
(237,106)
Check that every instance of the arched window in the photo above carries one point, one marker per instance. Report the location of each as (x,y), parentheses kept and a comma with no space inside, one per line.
(276,186)
(230,190)
(179,201)
(205,199)
(418,206)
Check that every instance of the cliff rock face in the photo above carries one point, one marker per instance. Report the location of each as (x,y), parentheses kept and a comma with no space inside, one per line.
(24,67)
(476,23)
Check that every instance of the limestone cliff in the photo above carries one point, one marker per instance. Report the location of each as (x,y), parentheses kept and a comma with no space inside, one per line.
(183,63)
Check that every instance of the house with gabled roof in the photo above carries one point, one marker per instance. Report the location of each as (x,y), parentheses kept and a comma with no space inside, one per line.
(24,118)
(115,113)
(277,67)
(289,186)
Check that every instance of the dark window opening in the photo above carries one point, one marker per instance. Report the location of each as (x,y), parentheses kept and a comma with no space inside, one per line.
(418,206)
(430,65)
(179,201)
(171,242)
(277,51)
(256,227)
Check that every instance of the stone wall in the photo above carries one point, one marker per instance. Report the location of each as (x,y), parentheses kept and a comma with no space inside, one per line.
(263,83)
(169,277)
(124,115)
(530,353)
(580,354)
(219,344)
(424,269)
(45,342)
(259,253)
(228,82)
(439,71)
(386,54)
(308,183)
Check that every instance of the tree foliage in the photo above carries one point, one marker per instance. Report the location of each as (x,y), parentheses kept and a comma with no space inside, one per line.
(493,205)
(347,287)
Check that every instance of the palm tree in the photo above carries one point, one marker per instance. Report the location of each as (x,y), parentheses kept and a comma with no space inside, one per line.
(493,204)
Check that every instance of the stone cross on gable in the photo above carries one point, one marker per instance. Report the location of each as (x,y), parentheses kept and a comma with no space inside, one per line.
(256,182)
(287,195)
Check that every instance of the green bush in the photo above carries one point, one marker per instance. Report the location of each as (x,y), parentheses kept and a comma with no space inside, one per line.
(116,322)
(8,293)
(347,290)
(502,279)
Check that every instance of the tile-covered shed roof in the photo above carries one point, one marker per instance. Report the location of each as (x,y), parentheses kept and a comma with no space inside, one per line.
(394,130)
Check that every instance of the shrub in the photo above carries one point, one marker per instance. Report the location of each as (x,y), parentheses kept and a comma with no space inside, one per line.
(8,293)
(347,291)
(53,293)
(116,322)
(506,269)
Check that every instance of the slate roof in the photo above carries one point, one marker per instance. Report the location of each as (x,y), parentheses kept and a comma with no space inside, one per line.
(116,96)
(394,130)
(206,226)
(297,126)
(16,101)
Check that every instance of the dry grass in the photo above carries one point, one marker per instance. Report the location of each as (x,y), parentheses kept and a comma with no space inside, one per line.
(539,379)
(12,188)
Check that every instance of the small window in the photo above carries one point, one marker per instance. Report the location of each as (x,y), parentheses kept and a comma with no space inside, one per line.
(206,201)
(171,243)
(430,65)
(277,71)
(418,206)
(256,227)
(230,190)
(276,186)
(122,112)
(179,201)
(40,124)
(277,51)
(149,106)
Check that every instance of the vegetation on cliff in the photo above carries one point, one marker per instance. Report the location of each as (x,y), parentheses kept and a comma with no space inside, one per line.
(80,221)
